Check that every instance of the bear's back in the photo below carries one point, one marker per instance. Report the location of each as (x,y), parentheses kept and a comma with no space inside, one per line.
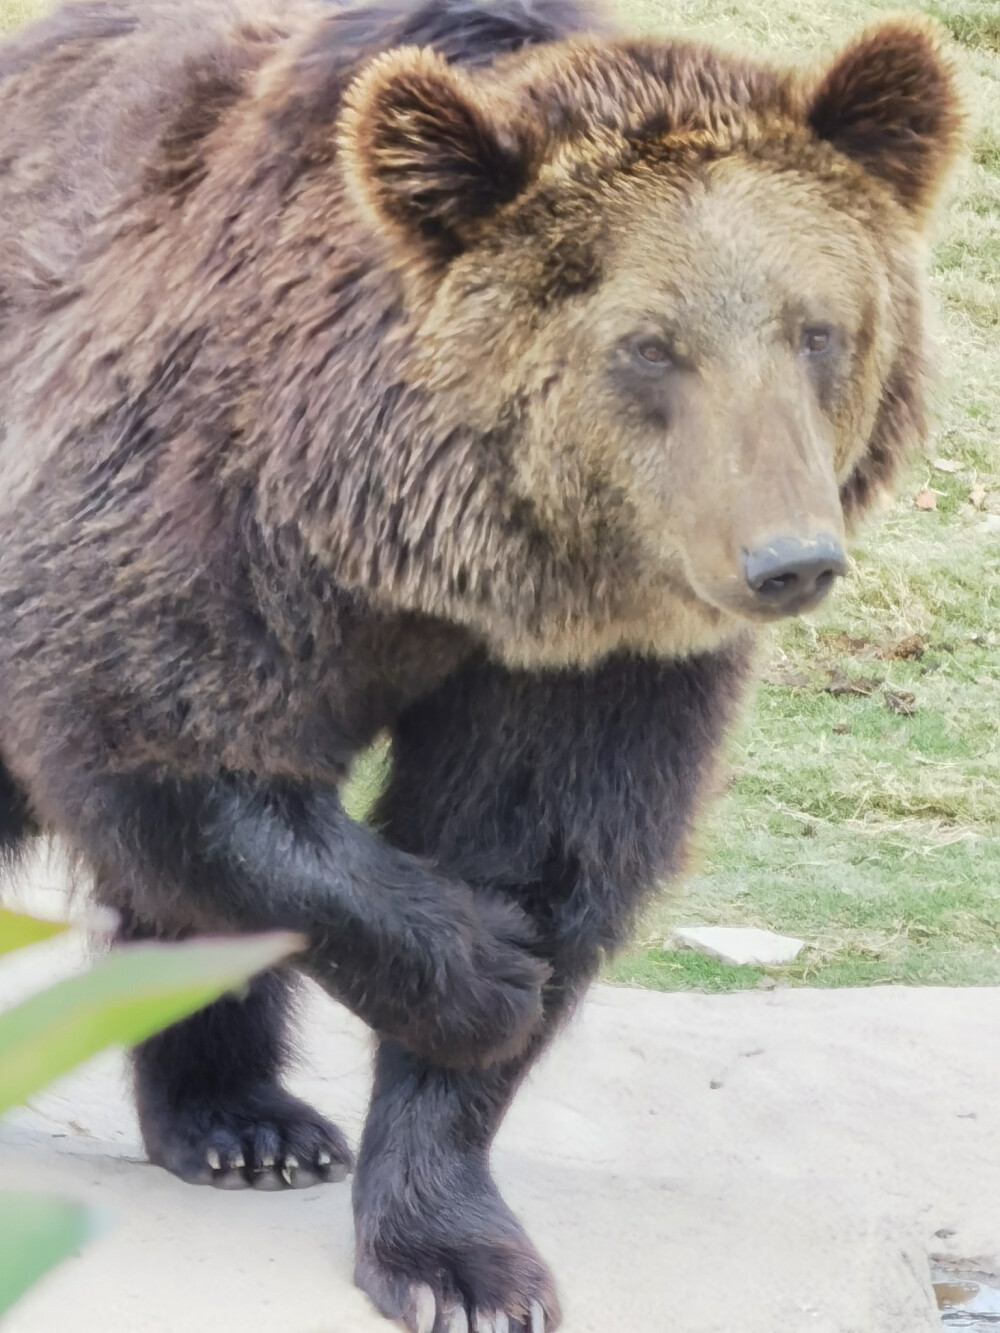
(86,99)
(103,94)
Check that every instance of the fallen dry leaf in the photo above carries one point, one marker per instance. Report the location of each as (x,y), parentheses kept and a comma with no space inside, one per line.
(977,496)
(925,499)
(948,465)
(839,684)
(911,646)
(845,643)
(900,701)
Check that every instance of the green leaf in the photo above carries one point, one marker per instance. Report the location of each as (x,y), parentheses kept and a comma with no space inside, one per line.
(38,1233)
(17,930)
(125,998)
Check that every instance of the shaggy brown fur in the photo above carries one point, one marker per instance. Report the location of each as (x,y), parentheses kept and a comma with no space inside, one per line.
(447,370)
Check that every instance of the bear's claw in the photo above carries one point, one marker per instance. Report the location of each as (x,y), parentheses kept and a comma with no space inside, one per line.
(420,1307)
(268,1140)
(425,1317)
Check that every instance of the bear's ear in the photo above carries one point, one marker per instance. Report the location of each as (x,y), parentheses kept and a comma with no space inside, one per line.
(427,152)
(890,102)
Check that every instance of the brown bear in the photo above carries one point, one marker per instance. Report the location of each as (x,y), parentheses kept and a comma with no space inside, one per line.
(456,371)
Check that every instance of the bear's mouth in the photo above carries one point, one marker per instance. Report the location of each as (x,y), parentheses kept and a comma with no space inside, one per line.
(788,599)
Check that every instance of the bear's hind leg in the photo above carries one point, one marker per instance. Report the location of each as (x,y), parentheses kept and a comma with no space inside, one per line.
(211,1106)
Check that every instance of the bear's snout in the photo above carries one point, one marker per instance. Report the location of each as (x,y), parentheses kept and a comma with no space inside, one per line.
(788,575)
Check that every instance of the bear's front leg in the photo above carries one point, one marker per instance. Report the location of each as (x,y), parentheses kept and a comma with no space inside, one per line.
(418,956)
(570,792)
(437,1247)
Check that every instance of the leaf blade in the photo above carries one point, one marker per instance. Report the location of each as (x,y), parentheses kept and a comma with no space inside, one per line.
(38,1233)
(18,931)
(136,991)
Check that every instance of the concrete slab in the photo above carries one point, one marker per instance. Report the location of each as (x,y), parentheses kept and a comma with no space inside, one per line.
(751,1163)
(740,945)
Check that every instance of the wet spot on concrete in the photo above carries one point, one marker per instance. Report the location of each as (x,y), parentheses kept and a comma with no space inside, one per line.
(968,1297)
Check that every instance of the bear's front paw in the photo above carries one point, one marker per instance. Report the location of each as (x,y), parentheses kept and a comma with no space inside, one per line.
(485,1003)
(457,1265)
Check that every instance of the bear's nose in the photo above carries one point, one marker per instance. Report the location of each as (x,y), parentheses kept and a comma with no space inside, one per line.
(789,575)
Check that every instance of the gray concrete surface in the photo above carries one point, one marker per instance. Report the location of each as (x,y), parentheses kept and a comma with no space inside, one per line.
(755,1163)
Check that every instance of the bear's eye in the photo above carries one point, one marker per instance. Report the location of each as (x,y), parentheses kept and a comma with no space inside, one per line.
(816,339)
(653,352)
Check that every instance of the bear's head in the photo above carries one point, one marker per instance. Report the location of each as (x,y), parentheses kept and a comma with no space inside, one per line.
(683,293)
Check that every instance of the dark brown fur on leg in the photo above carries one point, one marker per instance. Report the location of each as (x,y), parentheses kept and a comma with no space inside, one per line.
(581,785)
(208,1091)
(211,1105)
(434,1236)
(415,954)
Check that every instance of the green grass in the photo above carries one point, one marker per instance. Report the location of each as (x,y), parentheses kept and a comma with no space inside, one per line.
(975,24)
(872,834)
(15,12)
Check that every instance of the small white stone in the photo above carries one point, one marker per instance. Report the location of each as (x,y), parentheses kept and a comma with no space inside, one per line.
(740,945)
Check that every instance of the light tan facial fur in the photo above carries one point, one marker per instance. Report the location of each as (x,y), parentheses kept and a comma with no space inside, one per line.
(755,234)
